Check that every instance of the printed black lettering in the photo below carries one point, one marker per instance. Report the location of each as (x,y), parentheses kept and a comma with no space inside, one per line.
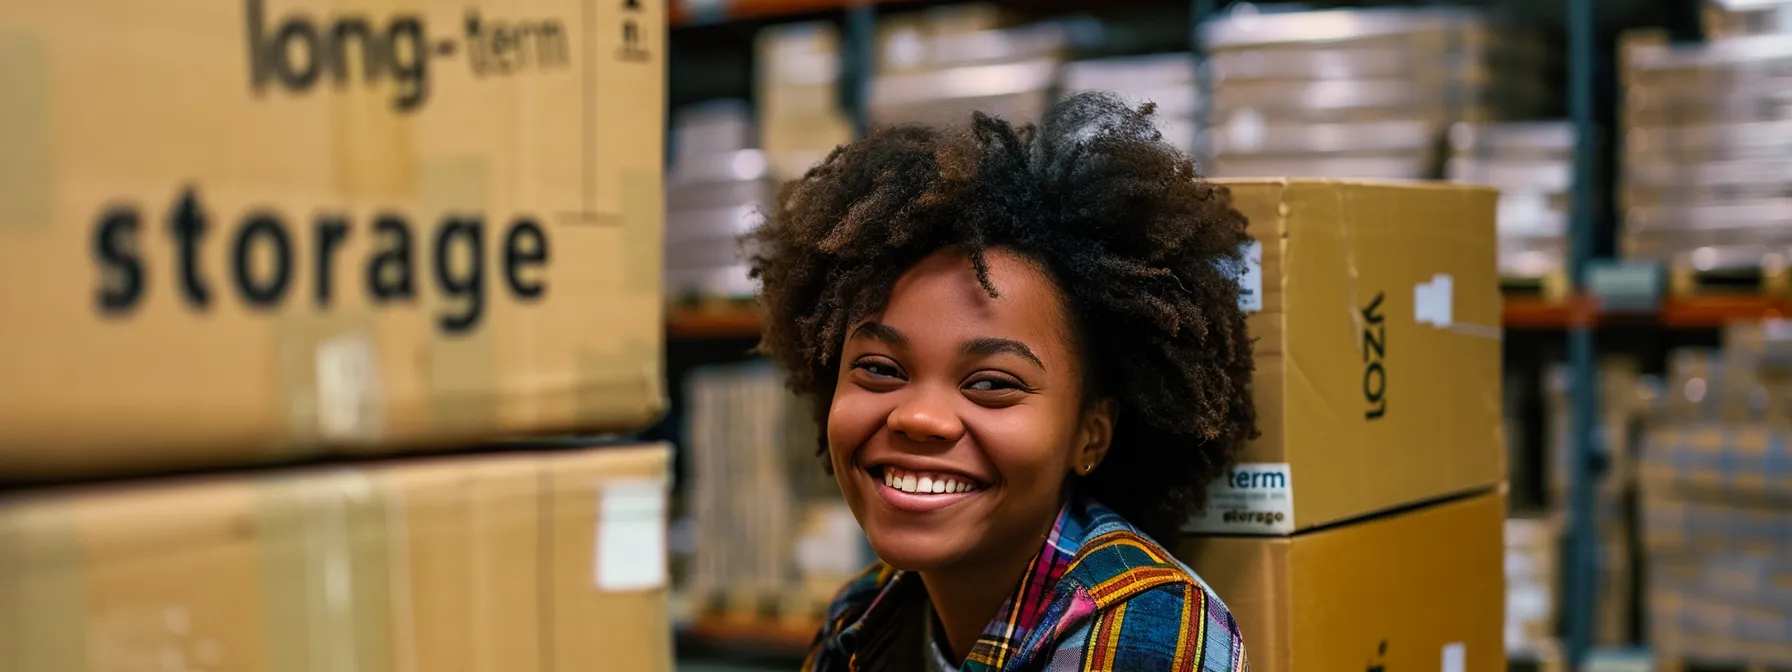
(1375,375)
(296,50)
(390,274)
(408,49)
(121,269)
(186,223)
(525,246)
(264,293)
(475,55)
(297,35)
(470,285)
(330,233)
(356,30)
(266,256)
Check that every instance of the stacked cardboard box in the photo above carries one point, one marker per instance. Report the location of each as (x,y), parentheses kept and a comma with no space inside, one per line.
(801,112)
(1533,580)
(1359,93)
(416,227)
(1532,165)
(212,256)
(1718,528)
(519,561)
(1716,507)
(1377,483)
(771,533)
(716,190)
(1708,128)
(939,66)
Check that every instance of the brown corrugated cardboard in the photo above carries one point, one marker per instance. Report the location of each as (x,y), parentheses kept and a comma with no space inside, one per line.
(523,561)
(1415,590)
(237,231)
(1376,311)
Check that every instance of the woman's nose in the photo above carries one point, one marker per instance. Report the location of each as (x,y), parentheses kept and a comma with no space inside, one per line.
(925,418)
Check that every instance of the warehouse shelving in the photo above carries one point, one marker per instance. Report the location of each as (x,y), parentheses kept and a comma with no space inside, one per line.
(693,12)
(742,322)
(1586,26)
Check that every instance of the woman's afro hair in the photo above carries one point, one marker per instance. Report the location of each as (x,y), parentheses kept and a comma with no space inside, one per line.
(1144,252)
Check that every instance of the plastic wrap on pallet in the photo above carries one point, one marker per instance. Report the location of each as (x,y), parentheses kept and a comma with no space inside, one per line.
(1359,93)
(1738,18)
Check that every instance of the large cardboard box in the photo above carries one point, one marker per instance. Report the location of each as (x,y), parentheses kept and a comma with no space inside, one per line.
(1376,310)
(1422,589)
(238,230)
(506,563)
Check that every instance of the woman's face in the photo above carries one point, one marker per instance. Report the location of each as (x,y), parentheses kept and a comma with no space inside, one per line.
(957,417)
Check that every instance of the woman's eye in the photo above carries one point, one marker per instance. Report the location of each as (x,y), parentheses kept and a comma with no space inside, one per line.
(878,369)
(991,385)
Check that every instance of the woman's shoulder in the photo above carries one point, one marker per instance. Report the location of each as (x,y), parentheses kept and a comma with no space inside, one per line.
(1148,610)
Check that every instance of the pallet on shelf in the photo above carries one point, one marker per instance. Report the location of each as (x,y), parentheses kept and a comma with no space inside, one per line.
(1551,286)
(1767,274)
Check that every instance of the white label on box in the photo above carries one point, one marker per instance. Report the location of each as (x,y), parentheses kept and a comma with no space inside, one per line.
(1432,302)
(1250,279)
(1455,657)
(350,405)
(1252,498)
(631,535)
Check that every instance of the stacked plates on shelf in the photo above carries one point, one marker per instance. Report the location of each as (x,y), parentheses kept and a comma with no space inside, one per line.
(1361,93)
(1707,162)
(1532,164)
(717,189)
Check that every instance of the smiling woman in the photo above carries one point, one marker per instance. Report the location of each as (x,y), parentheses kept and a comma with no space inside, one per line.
(1025,348)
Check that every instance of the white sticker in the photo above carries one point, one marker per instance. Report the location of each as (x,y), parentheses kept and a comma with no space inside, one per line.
(350,405)
(1776,329)
(1431,301)
(631,535)
(1455,657)
(1252,498)
(1250,279)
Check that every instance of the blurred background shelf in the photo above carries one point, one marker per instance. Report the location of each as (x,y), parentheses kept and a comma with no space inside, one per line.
(705,12)
(1517,314)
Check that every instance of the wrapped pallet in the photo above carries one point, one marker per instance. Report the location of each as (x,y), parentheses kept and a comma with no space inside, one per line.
(1359,93)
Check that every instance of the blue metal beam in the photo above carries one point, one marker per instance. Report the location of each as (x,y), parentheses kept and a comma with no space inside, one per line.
(1198,12)
(1582,549)
(860,45)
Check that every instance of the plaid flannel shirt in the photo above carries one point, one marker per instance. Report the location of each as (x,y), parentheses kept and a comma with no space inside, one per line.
(1099,596)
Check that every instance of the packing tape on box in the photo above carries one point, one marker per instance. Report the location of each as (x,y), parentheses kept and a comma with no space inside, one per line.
(42,599)
(643,225)
(460,371)
(327,568)
(26,172)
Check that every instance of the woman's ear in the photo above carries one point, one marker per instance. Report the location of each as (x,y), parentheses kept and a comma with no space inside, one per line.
(1096,436)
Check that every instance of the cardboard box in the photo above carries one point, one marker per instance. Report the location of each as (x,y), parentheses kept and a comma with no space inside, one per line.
(444,225)
(1533,578)
(1404,591)
(522,561)
(1376,310)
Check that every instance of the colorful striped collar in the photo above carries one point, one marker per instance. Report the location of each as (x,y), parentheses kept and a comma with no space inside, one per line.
(1091,553)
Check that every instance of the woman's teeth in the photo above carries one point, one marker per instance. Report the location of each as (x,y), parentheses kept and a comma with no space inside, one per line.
(922,484)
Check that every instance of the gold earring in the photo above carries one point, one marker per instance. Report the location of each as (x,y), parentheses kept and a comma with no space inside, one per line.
(1088,467)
